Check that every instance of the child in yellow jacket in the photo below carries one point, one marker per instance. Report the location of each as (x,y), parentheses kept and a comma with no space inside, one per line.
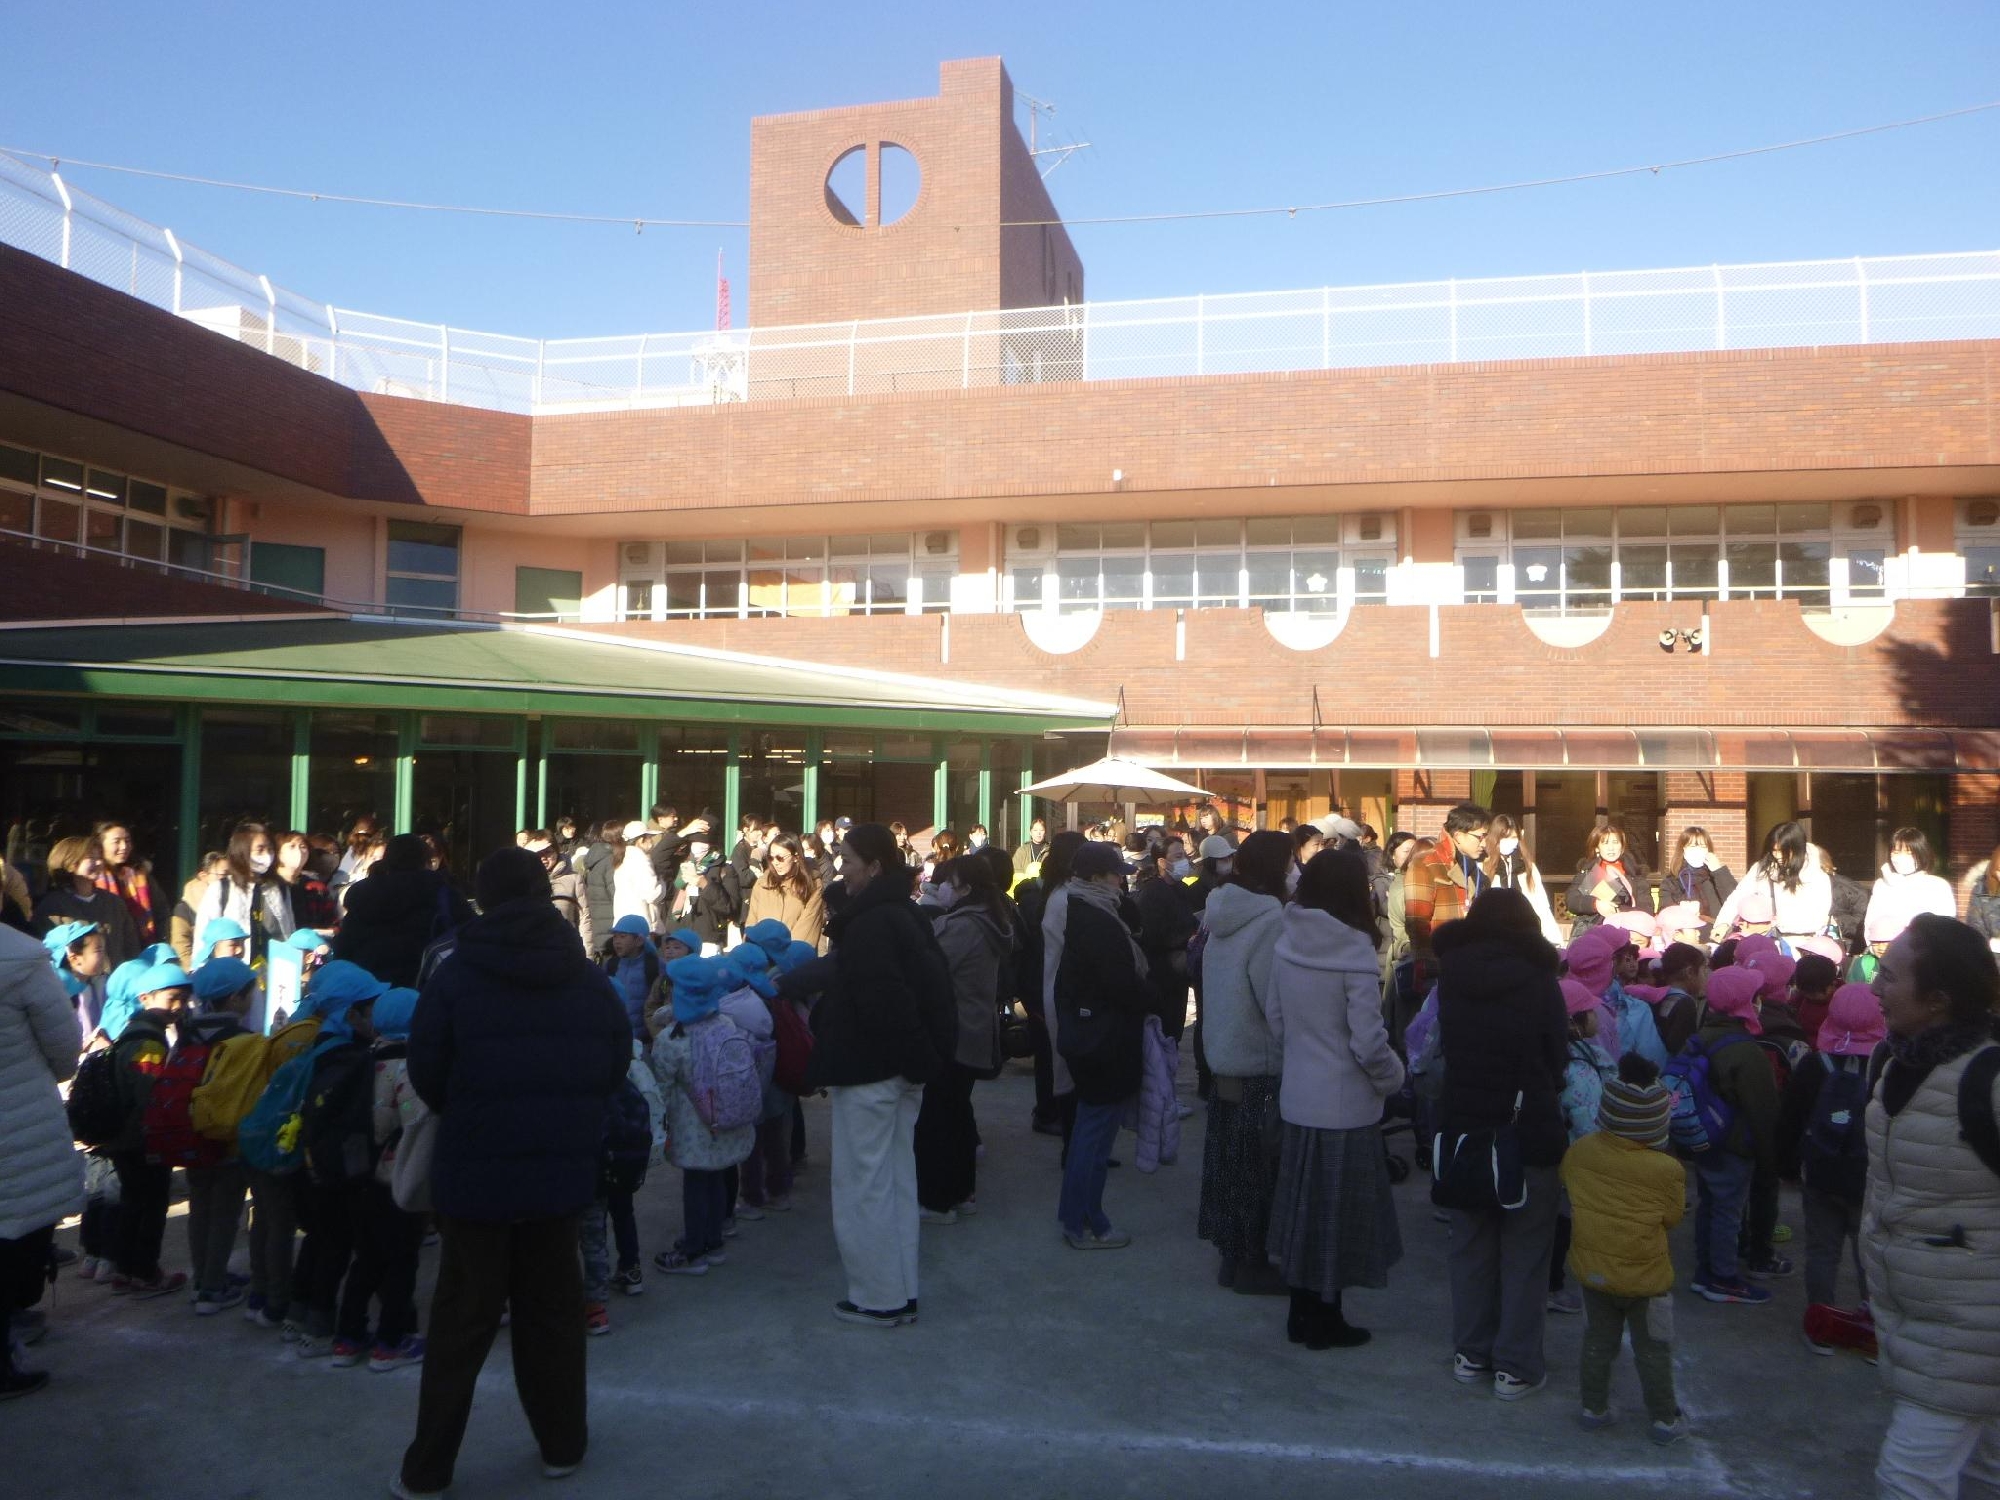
(1626,1192)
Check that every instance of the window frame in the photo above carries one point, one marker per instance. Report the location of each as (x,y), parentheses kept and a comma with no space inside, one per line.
(867,556)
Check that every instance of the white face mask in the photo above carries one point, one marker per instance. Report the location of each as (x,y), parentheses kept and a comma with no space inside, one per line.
(1903,864)
(1696,857)
(697,852)
(977,841)
(260,863)
(1508,846)
(1180,869)
(947,895)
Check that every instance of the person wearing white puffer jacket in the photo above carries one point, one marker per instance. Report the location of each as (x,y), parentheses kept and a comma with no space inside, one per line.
(1908,886)
(41,1175)
(1930,1224)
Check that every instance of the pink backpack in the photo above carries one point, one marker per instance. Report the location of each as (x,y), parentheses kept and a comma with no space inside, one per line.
(723,1084)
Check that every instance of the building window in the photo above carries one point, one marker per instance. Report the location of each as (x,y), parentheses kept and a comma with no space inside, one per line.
(65,500)
(545,592)
(288,571)
(1586,559)
(891,573)
(423,568)
(1320,565)
(1979,545)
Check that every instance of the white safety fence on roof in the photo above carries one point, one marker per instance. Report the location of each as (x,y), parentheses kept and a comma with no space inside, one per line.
(1886,299)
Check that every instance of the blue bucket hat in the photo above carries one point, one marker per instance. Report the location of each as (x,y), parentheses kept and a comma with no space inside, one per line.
(336,989)
(305,940)
(221,929)
(632,926)
(394,1011)
(220,978)
(769,935)
(749,968)
(688,938)
(59,938)
(699,985)
(796,956)
(168,975)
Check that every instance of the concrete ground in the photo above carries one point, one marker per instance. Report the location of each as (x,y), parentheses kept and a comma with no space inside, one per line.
(1036,1370)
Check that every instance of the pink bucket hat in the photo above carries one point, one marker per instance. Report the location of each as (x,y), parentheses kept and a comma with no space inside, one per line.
(1681,916)
(1826,947)
(1756,943)
(1854,1024)
(1774,970)
(1733,992)
(1590,960)
(1577,997)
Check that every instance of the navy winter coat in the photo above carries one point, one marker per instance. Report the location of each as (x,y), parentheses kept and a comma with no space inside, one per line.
(1504,1032)
(517,1042)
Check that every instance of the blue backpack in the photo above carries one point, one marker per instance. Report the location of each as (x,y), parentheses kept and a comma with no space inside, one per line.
(270,1139)
(1701,1119)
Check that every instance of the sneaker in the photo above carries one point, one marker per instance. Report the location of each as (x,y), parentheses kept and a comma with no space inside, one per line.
(1467,1370)
(909,1311)
(715,1255)
(729,1227)
(1781,1234)
(675,1263)
(291,1331)
(968,1209)
(1512,1388)
(252,1305)
(936,1216)
(313,1346)
(1111,1239)
(1715,1289)
(1567,1300)
(161,1284)
(1593,1421)
(347,1353)
(1825,1351)
(1046,1127)
(751,1212)
(408,1350)
(630,1280)
(28,1327)
(1183,1111)
(847,1312)
(1770,1268)
(1668,1433)
(208,1304)
(559,1471)
(779,1205)
(88,1270)
(596,1320)
(403,1492)
(120,1283)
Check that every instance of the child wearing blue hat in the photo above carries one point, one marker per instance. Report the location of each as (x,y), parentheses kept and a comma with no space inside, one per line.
(634,968)
(705,1155)
(766,1175)
(224,990)
(76,950)
(160,993)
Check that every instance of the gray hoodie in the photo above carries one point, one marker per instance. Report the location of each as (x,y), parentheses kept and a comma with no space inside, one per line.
(1236,983)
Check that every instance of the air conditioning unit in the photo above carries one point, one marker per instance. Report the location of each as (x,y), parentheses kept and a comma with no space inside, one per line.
(192,508)
(1865,516)
(639,554)
(1027,538)
(937,542)
(1982,512)
(1368,528)
(1479,524)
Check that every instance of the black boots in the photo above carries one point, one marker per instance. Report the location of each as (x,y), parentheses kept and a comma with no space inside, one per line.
(1318,1325)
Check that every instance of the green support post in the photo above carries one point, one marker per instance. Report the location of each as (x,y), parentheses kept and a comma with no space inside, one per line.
(542,779)
(521,775)
(190,816)
(406,772)
(1025,812)
(940,784)
(809,802)
(302,768)
(649,781)
(732,787)
(985,814)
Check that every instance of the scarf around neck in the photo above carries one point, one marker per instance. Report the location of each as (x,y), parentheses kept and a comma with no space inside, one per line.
(1916,1057)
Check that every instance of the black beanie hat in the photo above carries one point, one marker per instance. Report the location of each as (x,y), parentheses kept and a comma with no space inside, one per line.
(510,874)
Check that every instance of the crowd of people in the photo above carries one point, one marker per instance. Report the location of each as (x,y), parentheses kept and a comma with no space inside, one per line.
(495,1066)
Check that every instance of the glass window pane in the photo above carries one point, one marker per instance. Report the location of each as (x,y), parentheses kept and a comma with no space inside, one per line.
(103,486)
(1075,538)
(143,539)
(848,546)
(763,549)
(422,595)
(17,512)
(136,722)
(1124,582)
(1270,577)
(594,734)
(1267,533)
(805,591)
(889,544)
(19,463)
(1173,533)
(1217,533)
(199,510)
(1371,580)
(61,474)
(1173,578)
(889,587)
(1865,568)
(1482,579)
(415,547)
(1642,572)
(1804,566)
(1589,575)
(722,552)
(765,593)
(101,528)
(934,588)
(1595,521)
(1537,525)
(1694,520)
(1982,571)
(1220,587)
(638,603)
(1537,574)
(805,548)
(1317,576)
(683,552)
(1027,587)
(683,593)
(1795,518)
(721,593)
(1750,520)
(1694,568)
(481,730)
(1320,531)
(1132,534)
(1753,568)
(1076,583)
(57,519)
(1643,520)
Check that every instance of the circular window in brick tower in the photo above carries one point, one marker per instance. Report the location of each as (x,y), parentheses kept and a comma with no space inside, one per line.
(886,176)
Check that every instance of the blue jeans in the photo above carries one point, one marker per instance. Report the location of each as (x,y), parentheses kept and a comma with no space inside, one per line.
(1082,1203)
(1723,1181)
(704,1205)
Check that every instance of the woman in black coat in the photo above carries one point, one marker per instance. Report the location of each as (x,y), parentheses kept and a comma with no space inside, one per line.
(398,909)
(1102,1000)
(1696,873)
(1504,1034)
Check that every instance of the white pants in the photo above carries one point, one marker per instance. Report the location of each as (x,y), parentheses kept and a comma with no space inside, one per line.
(1933,1455)
(875,1190)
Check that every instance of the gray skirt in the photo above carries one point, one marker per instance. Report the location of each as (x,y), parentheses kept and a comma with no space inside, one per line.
(1333,1221)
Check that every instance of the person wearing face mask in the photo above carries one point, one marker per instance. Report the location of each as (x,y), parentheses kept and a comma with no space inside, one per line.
(1510,866)
(710,897)
(1696,873)
(1907,888)
(248,891)
(1610,878)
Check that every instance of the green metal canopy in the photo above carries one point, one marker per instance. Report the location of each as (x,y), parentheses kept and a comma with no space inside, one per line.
(337,661)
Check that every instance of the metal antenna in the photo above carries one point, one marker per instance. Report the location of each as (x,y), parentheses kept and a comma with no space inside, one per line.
(1061,153)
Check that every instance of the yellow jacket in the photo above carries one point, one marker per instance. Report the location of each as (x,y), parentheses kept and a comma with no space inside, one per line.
(1624,1197)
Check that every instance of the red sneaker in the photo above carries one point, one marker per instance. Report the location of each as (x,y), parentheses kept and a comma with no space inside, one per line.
(595,1319)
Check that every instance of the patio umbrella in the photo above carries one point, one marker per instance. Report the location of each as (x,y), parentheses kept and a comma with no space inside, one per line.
(1114,780)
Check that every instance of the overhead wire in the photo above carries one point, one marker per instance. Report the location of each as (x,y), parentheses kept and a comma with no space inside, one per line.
(645,221)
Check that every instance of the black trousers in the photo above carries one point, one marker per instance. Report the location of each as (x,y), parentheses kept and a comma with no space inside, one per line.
(337,1210)
(947,1141)
(142,1214)
(26,1265)
(1045,1064)
(386,1242)
(533,1269)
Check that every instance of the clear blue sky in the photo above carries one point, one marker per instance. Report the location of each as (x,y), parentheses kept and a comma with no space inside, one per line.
(626,107)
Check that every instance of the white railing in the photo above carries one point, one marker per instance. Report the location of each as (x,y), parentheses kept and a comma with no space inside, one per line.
(1877,300)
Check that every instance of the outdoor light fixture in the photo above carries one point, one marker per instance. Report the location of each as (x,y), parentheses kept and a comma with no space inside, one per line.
(361,760)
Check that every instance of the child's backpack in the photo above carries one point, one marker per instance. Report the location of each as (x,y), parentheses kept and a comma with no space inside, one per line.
(628,1141)
(96,1106)
(237,1073)
(1784,1055)
(1701,1118)
(268,1138)
(795,1046)
(337,1116)
(287,1042)
(1833,1155)
(1976,1123)
(722,1075)
(168,1124)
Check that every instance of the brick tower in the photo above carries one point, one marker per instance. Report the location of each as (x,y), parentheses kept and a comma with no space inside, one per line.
(816,257)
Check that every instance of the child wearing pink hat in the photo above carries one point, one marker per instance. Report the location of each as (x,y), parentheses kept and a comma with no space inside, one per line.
(1604,960)
(1740,1076)
(1824,1112)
